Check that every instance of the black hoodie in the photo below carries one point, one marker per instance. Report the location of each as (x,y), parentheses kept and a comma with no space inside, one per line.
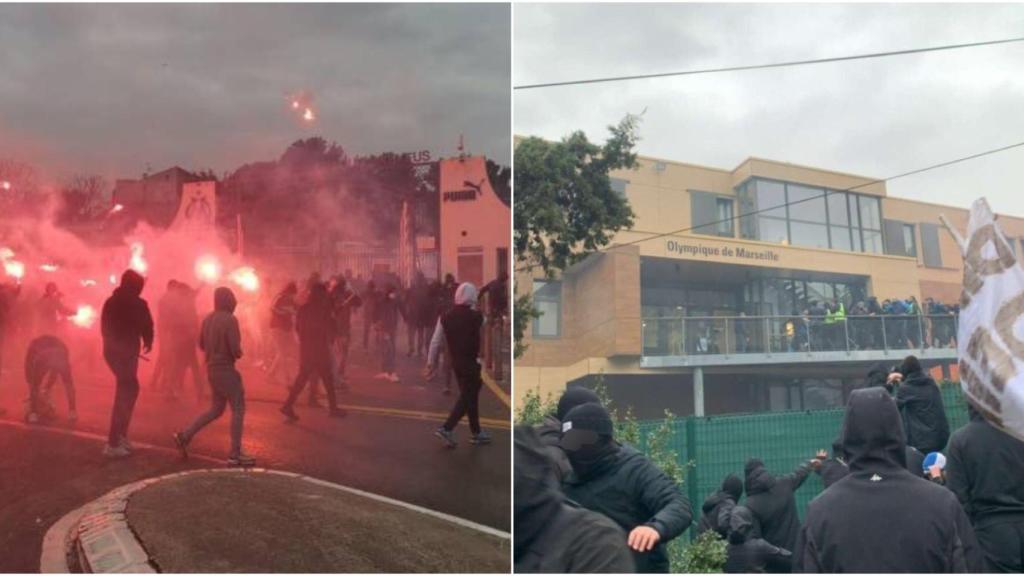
(125,320)
(883,518)
(628,488)
(746,554)
(717,507)
(771,501)
(550,535)
(924,417)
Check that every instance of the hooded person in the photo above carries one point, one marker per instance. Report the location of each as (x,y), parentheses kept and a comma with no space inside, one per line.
(833,469)
(388,311)
(46,359)
(984,467)
(624,485)
(550,429)
(315,326)
(883,517)
(458,332)
(921,409)
(878,376)
(745,552)
(551,535)
(718,506)
(220,339)
(125,324)
(772,502)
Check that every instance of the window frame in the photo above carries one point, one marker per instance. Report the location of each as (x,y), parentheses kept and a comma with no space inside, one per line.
(535,329)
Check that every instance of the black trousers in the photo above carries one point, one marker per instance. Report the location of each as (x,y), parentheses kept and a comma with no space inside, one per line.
(125,369)
(310,368)
(468,403)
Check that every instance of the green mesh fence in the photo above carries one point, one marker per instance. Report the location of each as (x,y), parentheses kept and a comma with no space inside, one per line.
(719,445)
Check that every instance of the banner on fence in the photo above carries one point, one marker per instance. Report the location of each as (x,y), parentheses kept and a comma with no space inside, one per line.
(990,340)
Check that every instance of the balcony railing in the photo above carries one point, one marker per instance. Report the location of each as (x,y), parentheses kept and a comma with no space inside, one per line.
(737,335)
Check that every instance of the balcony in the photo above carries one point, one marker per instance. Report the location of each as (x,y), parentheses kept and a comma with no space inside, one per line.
(750,340)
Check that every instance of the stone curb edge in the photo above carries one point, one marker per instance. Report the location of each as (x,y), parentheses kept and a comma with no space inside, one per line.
(104,542)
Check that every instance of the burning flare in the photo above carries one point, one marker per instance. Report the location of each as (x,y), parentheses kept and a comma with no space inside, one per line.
(308,115)
(5,185)
(117,208)
(84,317)
(138,263)
(87,283)
(208,268)
(48,267)
(12,267)
(246,278)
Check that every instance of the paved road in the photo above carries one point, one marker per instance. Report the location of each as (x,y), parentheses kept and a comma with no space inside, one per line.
(385,445)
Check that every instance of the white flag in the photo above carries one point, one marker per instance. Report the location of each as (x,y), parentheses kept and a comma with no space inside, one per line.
(990,339)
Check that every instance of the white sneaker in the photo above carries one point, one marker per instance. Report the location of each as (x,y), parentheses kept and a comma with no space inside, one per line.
(126,444)
(116,452)
(394,377)
(73,416)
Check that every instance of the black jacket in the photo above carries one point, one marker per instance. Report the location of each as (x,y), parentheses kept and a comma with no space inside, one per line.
(746,554)
(552,536)
(922,412)
(882,518)
(771,501)
(462,335)
(550,433)
(632,491)
(715,513)
(125,321)
(832,470)
(985,469)
(315,326)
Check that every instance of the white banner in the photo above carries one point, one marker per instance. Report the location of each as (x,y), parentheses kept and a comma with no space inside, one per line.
(990,339)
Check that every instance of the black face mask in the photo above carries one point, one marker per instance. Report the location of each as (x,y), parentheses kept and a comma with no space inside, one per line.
(589,459)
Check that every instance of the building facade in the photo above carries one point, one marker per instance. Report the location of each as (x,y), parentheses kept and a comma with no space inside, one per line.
(699,312)
(476,226)
(155,197)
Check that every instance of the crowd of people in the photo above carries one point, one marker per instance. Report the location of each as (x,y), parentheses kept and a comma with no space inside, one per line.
(901,494)
(311,334)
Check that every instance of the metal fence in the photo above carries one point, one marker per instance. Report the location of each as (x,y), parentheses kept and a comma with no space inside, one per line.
(699,335)
(720,445)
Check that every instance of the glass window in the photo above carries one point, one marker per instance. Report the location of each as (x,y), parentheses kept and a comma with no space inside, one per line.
(812,235)
(807,204)
(724,227)
(854,211)
(772,230)
(619,186)
(770,195)
(909,242)
(820,291)
(547,298)
(838,214)
(870,214)
(840,237)
(872,241)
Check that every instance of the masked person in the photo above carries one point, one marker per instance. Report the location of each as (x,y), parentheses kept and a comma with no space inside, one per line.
(45,361)
(831,469)
(921,408)
(771,500)
(220,339)
(717,508)
(985,468)
(282,329)
(388,311)
(552,537)
(624,485)
(550,429)
(883,517)
(51,311)
(125,322)
(315,326)
(344,300)
(459,331)
(746,553)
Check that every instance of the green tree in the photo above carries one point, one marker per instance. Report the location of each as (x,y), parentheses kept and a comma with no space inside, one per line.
(565,205)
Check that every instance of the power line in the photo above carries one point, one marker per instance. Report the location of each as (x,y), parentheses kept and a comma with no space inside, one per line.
(763,66)
(808,199)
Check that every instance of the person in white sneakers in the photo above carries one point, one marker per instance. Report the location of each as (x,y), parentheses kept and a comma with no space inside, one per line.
(459,328)
(45,361)
(221,340)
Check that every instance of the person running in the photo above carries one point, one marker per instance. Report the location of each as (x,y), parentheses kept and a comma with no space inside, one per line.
(164,311)
(459,331)
(883,517)
(220,339)
(552,536)
(746,553)
(984,469)
(716,510)
(282,328)
(344,300)
(771,500)
(624,485)
(125,322)
(388,311)
(315,326)
(45,361)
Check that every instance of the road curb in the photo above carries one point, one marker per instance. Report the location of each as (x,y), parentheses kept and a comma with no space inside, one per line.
(100,535)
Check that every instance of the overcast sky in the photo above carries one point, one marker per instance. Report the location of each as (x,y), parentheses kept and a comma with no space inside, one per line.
(111,88)
(876,117)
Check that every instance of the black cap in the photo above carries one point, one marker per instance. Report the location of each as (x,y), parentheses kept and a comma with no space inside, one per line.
(590,416)
(572,398)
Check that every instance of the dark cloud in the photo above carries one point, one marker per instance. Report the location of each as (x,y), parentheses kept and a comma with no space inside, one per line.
(111,88)
(873,117)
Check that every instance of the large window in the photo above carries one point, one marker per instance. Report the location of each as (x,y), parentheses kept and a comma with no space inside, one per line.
(723,225)
(547,298)
(909,242)
(802,215)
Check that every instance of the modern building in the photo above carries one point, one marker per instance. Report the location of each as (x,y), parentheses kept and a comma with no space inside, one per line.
(476,225)
(699,310)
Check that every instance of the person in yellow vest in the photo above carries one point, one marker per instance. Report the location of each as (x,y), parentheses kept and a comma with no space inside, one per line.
(839,317)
